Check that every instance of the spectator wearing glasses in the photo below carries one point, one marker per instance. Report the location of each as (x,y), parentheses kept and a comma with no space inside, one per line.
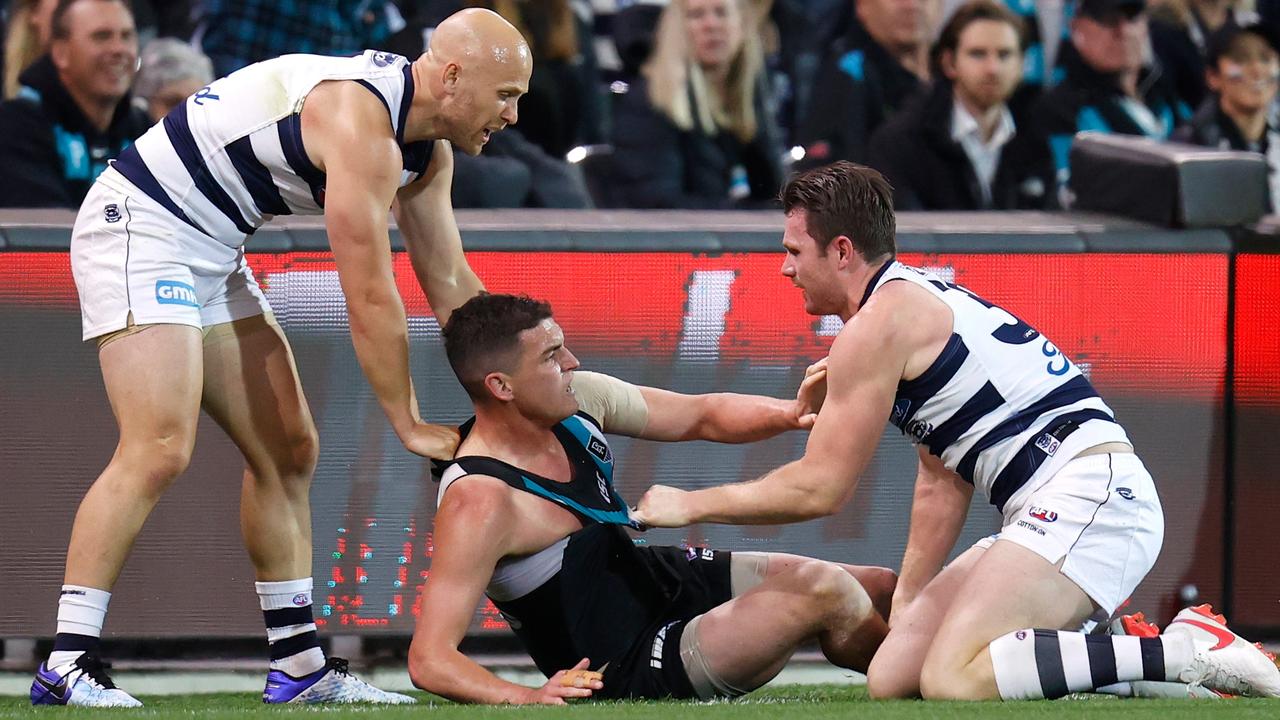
(961,146)
(1243,73)
(1180,30)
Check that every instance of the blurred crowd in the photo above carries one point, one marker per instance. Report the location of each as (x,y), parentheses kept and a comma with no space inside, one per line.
(962,104)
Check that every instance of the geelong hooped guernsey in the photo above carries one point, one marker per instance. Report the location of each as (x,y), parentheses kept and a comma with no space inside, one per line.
(1001,406)
(231,157)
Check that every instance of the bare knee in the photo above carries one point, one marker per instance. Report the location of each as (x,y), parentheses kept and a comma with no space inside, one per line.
(894,672)
(301,454)
(292,460)
(941,679)
(834,593)
(884,684)
(153,463)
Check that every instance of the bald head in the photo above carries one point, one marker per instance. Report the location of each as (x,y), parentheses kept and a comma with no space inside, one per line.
(476,69)
(479,35)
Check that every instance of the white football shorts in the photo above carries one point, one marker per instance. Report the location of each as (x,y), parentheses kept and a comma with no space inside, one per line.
(131,257)
(1100,515)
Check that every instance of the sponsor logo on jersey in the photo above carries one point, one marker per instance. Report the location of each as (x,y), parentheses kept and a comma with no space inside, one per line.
(600,449)
(383,59)
(1125,493)
(1042,515)
(111,213)
(302,599)
(603,486)
(172,292)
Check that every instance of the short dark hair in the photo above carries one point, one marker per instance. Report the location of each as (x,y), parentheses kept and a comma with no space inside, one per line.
(58,29)
(481,336)
(845,198)
(968,14)
(1226,41)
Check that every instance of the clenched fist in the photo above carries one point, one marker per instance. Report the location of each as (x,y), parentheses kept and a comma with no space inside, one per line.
(663,506)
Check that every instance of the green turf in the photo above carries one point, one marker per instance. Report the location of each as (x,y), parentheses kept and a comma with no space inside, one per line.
(810,702)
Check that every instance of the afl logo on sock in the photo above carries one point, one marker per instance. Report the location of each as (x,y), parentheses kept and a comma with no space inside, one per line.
(302,599)
(111,213)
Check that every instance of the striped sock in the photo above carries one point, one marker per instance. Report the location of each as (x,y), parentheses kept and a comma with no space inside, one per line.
(81,612)
(291,629)
(1033,664)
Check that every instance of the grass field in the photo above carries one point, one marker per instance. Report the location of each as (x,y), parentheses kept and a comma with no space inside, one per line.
(811,702)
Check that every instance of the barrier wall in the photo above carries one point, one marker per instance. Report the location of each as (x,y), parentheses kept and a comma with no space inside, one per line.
(691,302)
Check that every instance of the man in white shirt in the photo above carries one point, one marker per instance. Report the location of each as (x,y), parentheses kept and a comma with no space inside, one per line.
(959,147)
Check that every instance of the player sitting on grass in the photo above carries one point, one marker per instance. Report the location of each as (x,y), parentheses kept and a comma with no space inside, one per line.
(529,517)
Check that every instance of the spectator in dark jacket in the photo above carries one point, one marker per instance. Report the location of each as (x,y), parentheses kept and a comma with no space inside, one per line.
(866,75)
(1243,71)
(959,146)
(692,131)
(1108,84)
(1179,36)
(73,111)
(805,29)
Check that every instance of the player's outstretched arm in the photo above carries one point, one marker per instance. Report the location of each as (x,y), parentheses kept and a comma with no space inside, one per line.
(655,414)
(362,163)
(938,510)
(720,417)
(424,213)
(863,370)
(474,527)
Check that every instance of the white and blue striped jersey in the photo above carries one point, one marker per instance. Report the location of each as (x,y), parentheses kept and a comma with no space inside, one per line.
(1001,405)
(230,157)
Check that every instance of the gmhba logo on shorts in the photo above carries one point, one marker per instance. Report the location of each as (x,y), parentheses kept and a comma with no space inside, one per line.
(172,292)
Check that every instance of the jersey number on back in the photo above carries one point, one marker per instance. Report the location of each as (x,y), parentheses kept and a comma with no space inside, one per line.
(1016,332)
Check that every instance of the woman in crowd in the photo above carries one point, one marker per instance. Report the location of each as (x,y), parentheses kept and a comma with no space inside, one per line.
(26,39)
(693,129)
